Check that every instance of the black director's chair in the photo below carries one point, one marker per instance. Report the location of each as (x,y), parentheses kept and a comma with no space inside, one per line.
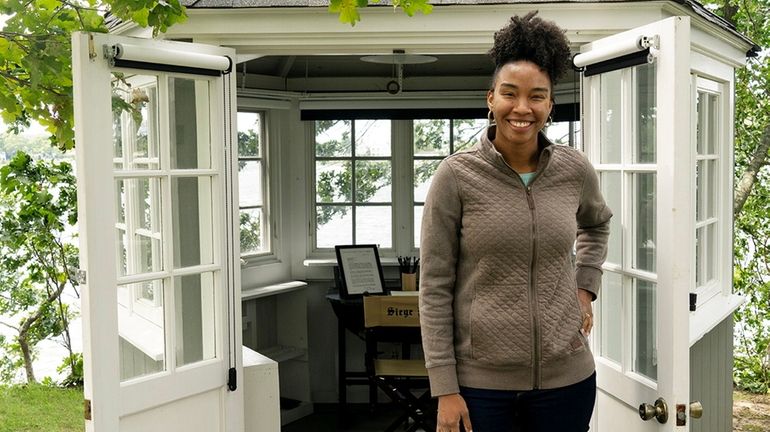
(404,380)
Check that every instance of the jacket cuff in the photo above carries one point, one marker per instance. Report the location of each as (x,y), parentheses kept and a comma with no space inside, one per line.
(589,279)
(443,380)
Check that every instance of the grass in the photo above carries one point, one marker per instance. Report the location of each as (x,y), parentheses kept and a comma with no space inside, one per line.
(38,408)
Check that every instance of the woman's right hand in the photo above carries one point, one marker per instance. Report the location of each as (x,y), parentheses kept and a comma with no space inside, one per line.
(451,410)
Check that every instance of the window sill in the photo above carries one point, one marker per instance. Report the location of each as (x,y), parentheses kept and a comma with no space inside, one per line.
(270,290)
(709,314)
(141,333)
(331,262)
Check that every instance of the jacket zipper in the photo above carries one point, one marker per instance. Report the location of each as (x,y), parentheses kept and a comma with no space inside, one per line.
(536,354)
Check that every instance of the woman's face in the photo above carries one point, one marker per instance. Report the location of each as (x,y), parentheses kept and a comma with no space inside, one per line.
(520,102)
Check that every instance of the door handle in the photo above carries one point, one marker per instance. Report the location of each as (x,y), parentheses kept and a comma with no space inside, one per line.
(658,411)
(696,409)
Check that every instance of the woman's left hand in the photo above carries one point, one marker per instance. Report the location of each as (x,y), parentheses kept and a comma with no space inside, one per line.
(587,310)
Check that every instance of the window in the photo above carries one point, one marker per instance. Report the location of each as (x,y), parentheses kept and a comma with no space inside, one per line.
(708,133)
(359,197)
(432,141)
(253,185)
(564,133)
(626,161)
(353,183)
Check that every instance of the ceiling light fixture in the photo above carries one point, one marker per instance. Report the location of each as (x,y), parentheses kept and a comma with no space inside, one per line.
(399,57)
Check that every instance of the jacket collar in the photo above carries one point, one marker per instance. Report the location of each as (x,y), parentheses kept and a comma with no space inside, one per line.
(487,150)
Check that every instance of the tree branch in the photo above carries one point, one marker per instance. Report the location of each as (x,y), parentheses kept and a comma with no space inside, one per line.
(749,176)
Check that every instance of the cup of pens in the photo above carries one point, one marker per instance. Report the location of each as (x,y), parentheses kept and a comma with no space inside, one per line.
(408,266)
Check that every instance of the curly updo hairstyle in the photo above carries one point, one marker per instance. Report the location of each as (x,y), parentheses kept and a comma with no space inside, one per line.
(533,39)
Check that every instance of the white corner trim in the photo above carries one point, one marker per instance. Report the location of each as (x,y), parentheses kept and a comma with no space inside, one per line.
(711,313)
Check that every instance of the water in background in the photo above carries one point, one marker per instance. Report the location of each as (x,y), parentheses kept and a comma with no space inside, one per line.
(50,353)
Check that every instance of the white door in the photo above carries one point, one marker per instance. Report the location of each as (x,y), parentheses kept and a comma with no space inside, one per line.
(638,136)
(154,123)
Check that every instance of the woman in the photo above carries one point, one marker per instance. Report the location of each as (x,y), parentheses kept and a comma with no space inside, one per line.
(504,311)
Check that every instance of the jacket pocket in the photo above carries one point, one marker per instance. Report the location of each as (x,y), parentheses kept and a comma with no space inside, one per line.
(501,325)
(561,322)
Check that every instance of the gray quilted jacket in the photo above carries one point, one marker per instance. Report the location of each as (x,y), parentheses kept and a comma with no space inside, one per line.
(498,286)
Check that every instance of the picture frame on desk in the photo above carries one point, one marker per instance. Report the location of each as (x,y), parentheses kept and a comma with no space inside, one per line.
(360,270)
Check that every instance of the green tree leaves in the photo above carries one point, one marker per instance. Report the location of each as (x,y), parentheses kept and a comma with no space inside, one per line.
(348,9)
(751,245)
(37,208)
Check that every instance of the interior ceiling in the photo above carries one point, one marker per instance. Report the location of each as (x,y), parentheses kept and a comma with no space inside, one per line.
(326,66)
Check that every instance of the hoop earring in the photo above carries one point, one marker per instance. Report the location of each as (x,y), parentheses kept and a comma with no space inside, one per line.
(549,122)
(490,118)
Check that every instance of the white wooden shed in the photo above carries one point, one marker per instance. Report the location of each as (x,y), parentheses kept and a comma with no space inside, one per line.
(169,300)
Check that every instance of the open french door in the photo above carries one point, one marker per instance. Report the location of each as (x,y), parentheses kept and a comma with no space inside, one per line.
(637,117)
(154,122)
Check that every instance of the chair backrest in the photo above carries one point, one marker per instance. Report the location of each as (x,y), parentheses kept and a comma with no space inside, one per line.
(391,311)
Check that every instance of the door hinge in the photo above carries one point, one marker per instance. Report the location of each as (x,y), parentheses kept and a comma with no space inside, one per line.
(91,49)
(232,379)
(693,301)
(87,409)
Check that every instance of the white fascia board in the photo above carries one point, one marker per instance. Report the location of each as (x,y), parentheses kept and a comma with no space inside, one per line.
(712,40)
(448,29)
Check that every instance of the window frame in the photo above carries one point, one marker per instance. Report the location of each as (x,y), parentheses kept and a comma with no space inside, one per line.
(268,222)
(716,285)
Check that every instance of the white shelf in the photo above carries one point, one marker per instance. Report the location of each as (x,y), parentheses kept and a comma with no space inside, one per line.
(282,353)
(270,290)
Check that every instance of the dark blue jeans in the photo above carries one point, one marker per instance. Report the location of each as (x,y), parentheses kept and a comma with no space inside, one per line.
(565,409)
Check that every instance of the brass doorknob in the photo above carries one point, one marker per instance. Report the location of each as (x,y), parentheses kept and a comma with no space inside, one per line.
(696,409)
(658,411)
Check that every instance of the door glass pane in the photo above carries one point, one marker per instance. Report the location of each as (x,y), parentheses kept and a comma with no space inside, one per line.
(612,191)
(249,183)
(645,354)
(195,318)
(333,181)
(423,176)
(117,136)
(189,123)
(611,303)
(610,106)
(646,107)
(467,132)
(644,221)
(252,230)
(139,226)
(372,138)
(142,348)
(373,225)
(373,181)
(332,138)
(191,206)
(135,121)
(431,137)
(334,225)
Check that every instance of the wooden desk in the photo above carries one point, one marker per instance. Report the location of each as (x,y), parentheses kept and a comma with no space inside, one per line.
(350,316)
